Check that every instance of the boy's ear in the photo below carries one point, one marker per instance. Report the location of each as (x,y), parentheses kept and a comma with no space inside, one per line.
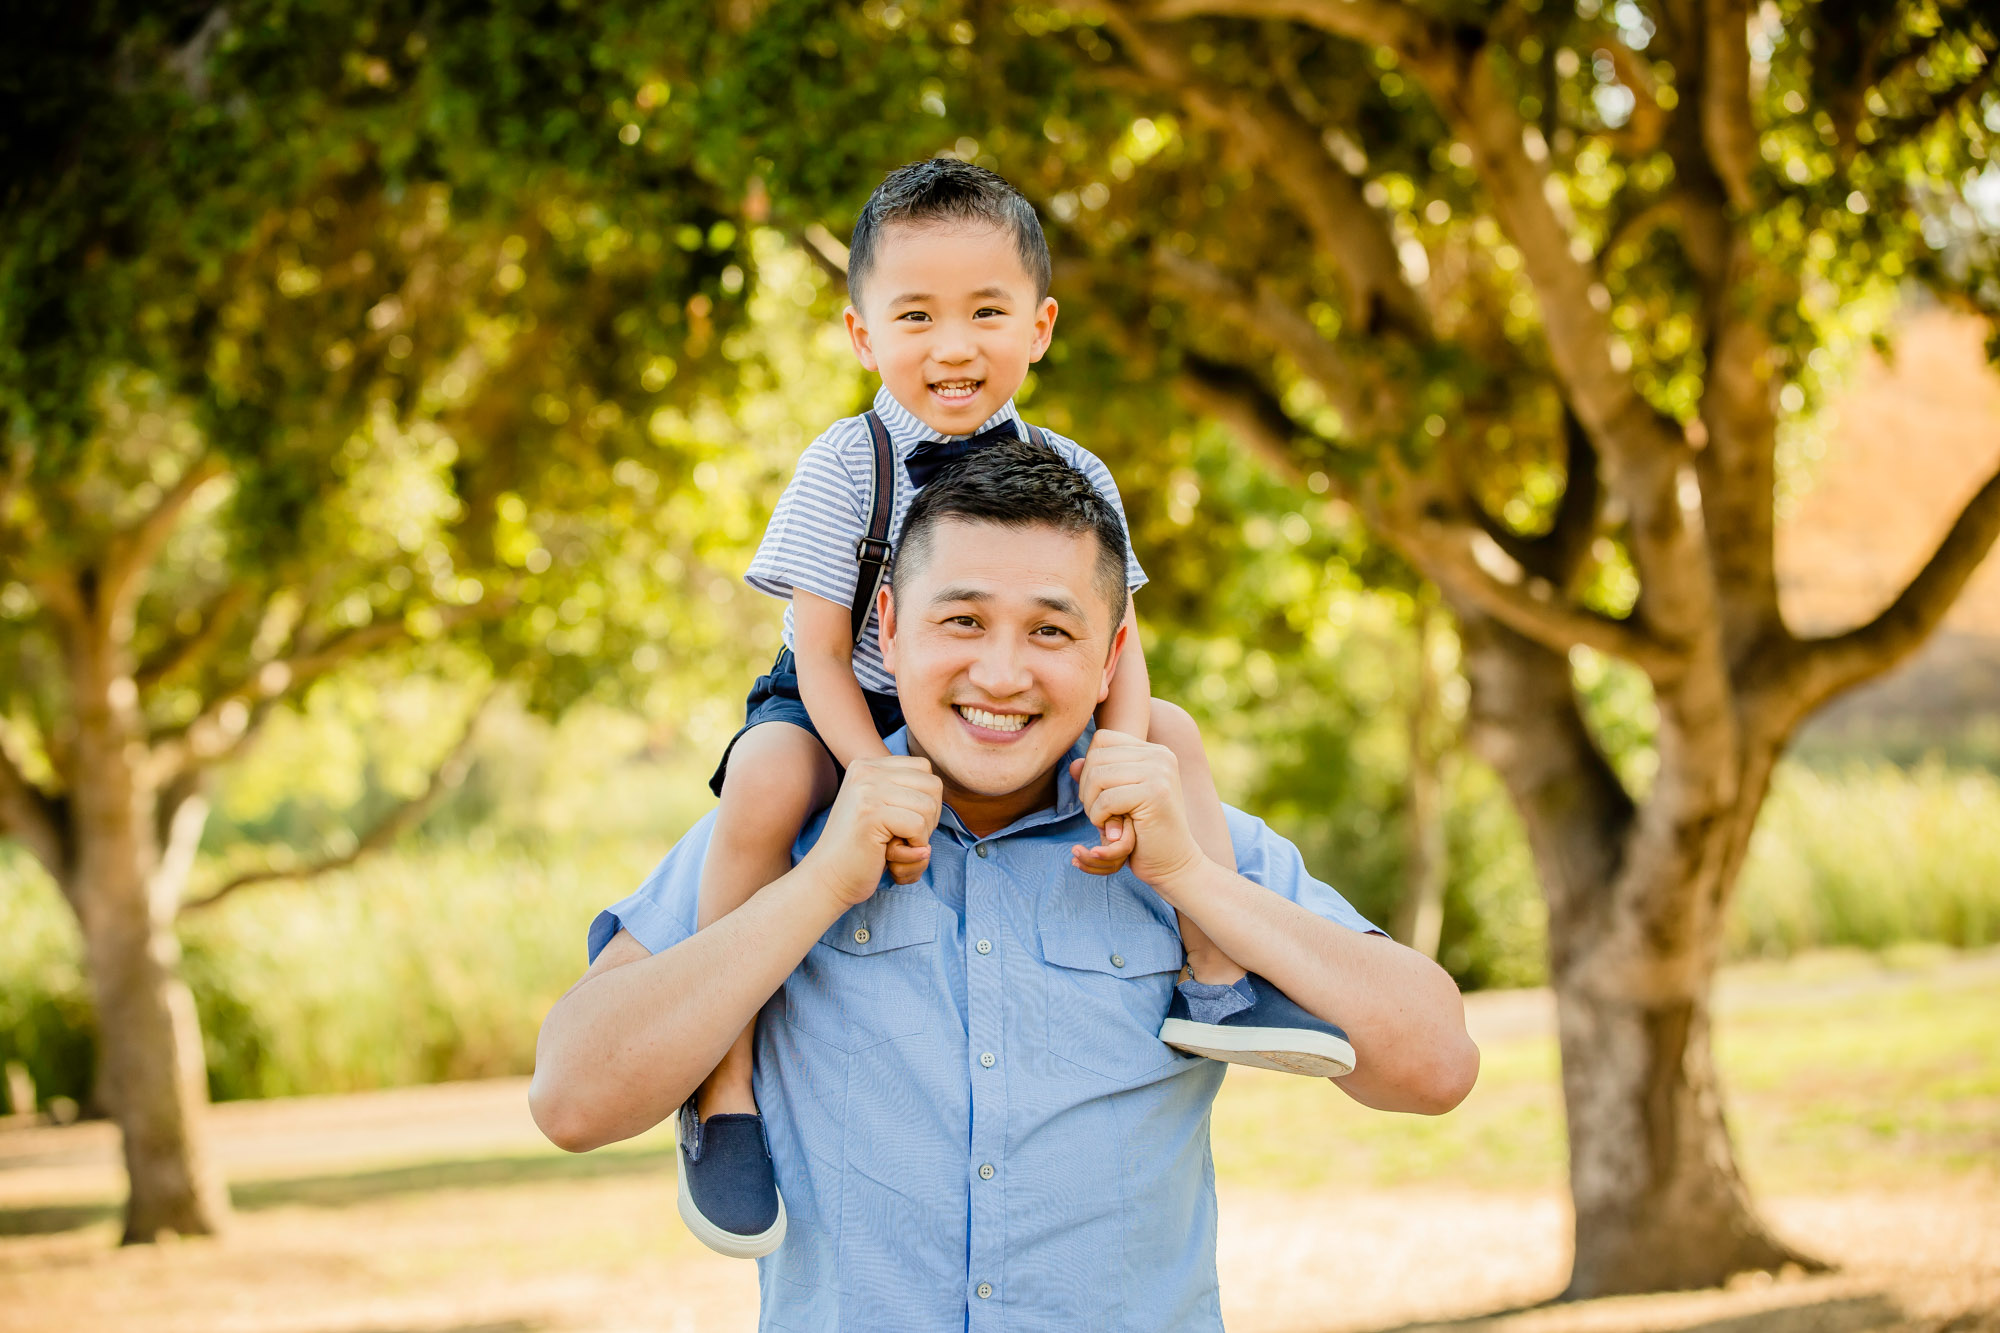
(1045,329)
(857,333)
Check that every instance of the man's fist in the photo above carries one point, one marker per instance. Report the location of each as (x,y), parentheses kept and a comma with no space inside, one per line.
(893,801)
(1131,790)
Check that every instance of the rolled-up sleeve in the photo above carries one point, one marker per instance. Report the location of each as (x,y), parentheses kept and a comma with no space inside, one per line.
(809,543)
(1267,858)
(660,913)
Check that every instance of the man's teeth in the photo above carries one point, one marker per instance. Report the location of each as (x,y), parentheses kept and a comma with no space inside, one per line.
(957,388)
(979,717)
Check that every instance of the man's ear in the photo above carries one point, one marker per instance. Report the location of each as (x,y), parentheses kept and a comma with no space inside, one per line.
(1045,329)
(885,626)
(857,333)
(1117,650)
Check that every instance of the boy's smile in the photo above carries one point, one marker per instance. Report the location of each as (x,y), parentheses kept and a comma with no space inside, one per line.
(951,319)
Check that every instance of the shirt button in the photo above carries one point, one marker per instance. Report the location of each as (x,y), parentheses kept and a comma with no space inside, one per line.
(981,851)
(1117,959)
(986,1171)
(984,946)
(861,935)
(987,1059)
(984,1289)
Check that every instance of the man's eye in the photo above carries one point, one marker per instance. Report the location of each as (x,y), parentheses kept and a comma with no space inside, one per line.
(1052,630)
(965,622)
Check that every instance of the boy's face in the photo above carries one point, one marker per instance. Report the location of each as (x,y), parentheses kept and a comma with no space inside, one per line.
(950,320)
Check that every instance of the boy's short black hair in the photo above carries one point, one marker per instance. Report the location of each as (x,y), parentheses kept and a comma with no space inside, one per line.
(945,189)
(1016,484)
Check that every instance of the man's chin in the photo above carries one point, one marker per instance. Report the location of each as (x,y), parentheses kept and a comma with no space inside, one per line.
(995,771)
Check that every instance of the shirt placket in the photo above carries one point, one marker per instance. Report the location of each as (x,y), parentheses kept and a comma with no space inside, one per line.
(986,1048)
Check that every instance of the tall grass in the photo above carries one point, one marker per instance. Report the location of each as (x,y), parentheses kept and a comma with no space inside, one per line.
(439,961)
(1870,855)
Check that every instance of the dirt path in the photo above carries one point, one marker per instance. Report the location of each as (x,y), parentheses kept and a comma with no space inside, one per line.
(442,1210)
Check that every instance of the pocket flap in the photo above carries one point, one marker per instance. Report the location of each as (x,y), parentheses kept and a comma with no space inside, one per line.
(1119,949)
(889,920)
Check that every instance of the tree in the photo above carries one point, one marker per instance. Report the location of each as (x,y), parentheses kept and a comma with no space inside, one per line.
(328,334)
(1536,290)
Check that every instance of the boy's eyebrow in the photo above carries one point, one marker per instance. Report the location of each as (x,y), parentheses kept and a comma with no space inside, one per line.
(911,298)
(920,298)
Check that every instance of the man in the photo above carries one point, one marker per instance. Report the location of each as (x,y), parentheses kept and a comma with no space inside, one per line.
(969,1110)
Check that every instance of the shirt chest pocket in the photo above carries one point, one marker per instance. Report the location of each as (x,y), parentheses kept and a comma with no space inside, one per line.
(867,981)
(1108,986)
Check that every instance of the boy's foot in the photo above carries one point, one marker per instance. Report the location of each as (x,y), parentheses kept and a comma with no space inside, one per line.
(728,1191)
(1254,1023)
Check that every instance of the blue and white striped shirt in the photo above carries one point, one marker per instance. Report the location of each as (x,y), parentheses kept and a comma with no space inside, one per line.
(810,542)
(974,1123)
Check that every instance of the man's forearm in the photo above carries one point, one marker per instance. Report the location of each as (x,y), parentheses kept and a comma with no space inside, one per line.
(627,1045)
(1400,1010)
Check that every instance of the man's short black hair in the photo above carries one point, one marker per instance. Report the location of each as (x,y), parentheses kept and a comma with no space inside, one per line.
(1016,484)
(946,190)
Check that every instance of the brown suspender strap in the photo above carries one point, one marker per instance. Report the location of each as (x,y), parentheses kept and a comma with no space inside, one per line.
(1035,436)
(872,551)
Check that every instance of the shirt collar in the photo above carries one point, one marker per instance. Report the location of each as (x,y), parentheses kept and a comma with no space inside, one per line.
(1068,803)
(907,430)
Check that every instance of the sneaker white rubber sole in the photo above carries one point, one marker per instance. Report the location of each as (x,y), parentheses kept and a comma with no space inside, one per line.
(726,1242)
(1287,1050)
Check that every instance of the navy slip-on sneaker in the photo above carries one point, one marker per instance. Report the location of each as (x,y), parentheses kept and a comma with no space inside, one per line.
(728,1190)
(1254,1023)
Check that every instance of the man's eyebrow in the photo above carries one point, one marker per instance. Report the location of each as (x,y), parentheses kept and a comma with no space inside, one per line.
(958,592)
(1063,606)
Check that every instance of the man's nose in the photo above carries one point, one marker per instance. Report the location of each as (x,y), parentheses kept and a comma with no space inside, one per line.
(1000,669)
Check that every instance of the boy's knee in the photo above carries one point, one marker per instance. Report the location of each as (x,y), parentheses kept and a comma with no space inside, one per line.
(1173,726)
(774,769)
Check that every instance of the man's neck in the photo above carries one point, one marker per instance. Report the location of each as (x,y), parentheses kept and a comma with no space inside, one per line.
(984,815)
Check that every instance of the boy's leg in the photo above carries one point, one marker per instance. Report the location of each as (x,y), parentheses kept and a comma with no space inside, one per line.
(1172,727)
(777,775)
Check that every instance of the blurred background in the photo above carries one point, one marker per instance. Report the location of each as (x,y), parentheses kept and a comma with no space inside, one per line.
(392,396)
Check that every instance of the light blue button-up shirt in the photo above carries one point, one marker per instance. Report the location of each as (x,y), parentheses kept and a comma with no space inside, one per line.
(973,1121)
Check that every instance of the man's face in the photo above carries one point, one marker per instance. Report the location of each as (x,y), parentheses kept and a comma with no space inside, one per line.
(1003,645)
(951,321)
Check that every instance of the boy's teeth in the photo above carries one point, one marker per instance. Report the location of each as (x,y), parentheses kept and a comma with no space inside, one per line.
(979,717)
(957,388)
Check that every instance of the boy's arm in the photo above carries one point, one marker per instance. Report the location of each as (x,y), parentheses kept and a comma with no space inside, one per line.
(1129,706)
(825,656)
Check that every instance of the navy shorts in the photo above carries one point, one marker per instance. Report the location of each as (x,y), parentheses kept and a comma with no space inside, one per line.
(775,698)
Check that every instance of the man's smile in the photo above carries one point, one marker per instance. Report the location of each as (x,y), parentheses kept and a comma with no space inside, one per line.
(987,724)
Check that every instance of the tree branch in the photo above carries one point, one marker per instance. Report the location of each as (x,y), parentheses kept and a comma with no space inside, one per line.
(1377,22)
(209,737)
(32,815)
(195,648)
(1727,129)
(1826,667)
(1326,198)
(132,552)
(446,776)
(1449,553)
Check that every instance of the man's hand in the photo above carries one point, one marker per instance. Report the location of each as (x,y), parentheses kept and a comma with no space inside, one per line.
(881,802)
(1132,791)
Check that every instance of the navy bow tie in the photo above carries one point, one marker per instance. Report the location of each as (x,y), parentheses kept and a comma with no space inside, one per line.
(925,460)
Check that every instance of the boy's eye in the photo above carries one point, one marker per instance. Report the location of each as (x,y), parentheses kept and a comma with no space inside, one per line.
(987,310)
(913,315)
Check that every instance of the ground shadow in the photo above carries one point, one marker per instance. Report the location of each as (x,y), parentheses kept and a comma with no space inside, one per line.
(349,1188)
(1838,1314)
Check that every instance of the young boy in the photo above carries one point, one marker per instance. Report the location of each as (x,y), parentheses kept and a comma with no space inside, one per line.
(949,276)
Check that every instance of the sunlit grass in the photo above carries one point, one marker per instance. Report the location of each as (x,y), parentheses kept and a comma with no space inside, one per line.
(1838,1072)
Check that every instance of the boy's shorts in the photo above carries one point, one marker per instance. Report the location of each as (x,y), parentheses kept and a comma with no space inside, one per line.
(775,698)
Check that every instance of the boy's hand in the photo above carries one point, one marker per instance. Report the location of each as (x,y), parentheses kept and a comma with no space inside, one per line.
(908,861)
(1116,845)
(1132,790)
(881,802)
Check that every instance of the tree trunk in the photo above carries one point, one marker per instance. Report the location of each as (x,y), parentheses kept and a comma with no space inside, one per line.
(1420,917)
(1660,1204)
(151,1071)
